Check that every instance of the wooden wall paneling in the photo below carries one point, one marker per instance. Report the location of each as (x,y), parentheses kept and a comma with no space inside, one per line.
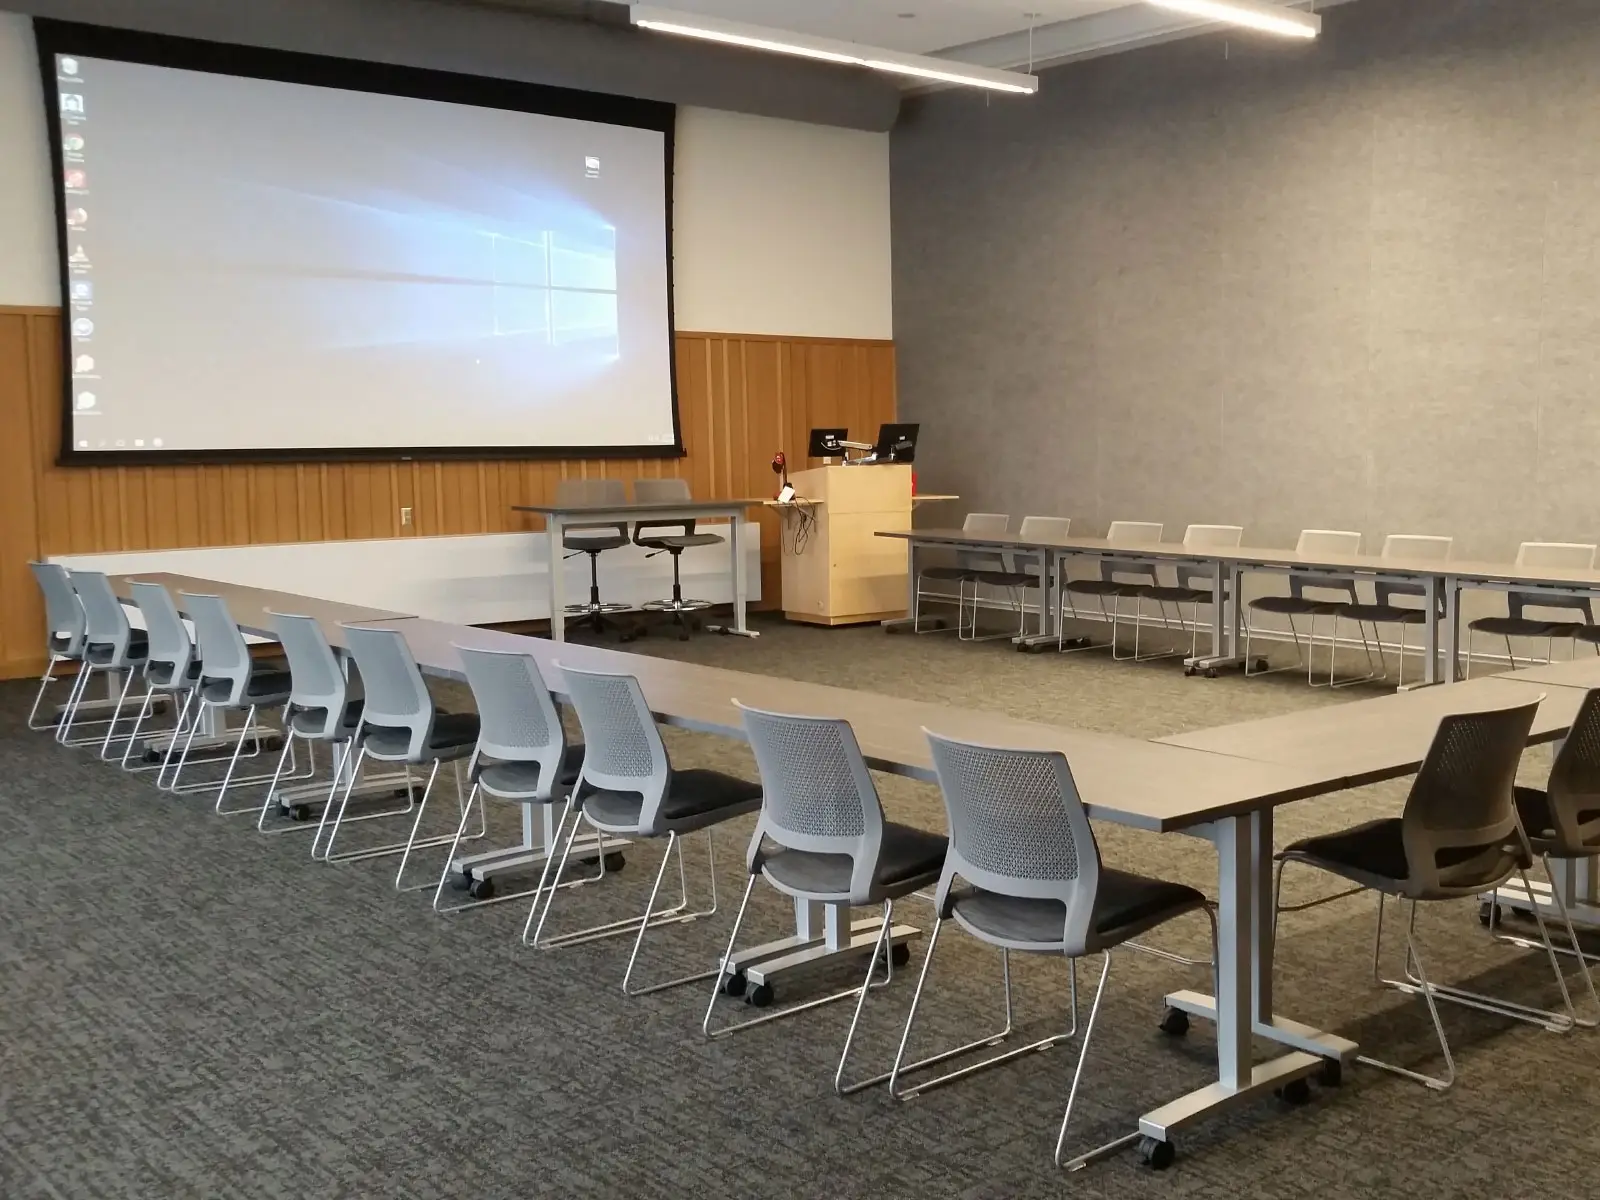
(21,612)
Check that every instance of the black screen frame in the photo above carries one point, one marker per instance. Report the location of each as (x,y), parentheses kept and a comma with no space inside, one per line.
(55,38)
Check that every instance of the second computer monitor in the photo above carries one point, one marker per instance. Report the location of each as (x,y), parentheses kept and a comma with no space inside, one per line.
(825,442)
(896,443)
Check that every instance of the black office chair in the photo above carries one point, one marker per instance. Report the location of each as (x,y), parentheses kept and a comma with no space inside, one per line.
(670,491)
(594,540)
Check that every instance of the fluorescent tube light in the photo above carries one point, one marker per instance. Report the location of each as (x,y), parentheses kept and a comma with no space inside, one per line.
(1252,14)
(780,41)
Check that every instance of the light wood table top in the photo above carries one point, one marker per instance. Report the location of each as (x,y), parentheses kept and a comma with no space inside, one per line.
(250,606)
(1367,741)
(1579,673)
(1125,780)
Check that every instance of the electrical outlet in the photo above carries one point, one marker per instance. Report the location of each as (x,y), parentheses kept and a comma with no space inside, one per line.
(405,516)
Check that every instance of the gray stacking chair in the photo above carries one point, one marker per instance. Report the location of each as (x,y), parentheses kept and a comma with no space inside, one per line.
(230,681)
(171,668)
(1298,603)
(1458,837)
(399,724)
(671,491)
(64,623)
(628,788)
(110,644)
(964,570)
(1120,578)
(1385,611)
(1031,881)
(522,757)
(593,539)
(1562,823)
(1518,624)
(1194,582)
(1016,572)
(822,839)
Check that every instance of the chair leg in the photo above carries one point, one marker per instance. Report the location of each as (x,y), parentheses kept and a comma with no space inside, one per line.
(416,823)
(138,724)
(646,922)
(48,678)
(1115,1144)
(74,699)
(179,728)
(655,918)
(1436,1083)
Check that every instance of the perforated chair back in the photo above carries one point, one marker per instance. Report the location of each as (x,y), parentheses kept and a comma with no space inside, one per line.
(517,714)
(224,657)
(817,795)
(316,682)
(105,621)
(1461,813)
(1574,787)
(1423,546)
(1334,542)
(622,748)
(661,491)
(983,525)
(1018,828)
(63,611)
(1052,529)
(1207,537)
(1560,556)
(1131,570)
(170,643)
(396,696)
(583,493)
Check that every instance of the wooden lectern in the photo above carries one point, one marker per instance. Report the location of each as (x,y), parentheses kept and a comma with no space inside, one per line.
(837,571)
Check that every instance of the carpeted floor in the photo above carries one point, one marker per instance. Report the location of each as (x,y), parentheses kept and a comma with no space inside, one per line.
(189,1009)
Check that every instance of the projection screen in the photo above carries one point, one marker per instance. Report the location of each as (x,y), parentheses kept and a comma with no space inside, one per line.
(270,256)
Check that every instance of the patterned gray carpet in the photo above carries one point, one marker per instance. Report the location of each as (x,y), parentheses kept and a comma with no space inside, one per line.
(189,1009)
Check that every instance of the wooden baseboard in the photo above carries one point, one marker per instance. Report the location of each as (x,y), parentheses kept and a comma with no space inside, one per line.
(852,619)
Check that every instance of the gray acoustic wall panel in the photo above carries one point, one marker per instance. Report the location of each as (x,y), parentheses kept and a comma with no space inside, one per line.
(1349,285)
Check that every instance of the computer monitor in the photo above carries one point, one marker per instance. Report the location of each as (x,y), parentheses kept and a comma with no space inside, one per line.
(826,443)
(896,443)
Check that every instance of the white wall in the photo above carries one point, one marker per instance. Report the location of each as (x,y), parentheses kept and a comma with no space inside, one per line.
(780,227)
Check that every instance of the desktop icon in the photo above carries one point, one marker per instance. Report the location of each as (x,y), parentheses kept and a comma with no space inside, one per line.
(83,364)
(71,102)
(79,254)
(155,441)
(138,442)
(86,400)
(82,327)
(82,289)
(76,178)
(72,143)
(69,66)
(77,218)
(121,443)
(591,167)
(83,443)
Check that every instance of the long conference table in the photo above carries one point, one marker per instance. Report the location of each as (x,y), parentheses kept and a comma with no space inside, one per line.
(1223,788)
(1442,582)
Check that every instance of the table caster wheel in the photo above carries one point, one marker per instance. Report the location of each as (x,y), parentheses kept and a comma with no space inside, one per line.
(481,889)
(733,983)
(1156,1154)
(615,862)
(899,953)
(1211,672)
(1490,914)
(298,812)
(1295,1093)
(1175,1022)
(1331,1073)
(460,882)
(759,996)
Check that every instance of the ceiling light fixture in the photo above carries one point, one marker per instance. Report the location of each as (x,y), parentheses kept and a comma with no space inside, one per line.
(780,41)
(1252,14)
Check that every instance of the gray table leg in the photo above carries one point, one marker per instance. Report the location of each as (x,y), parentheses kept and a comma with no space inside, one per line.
(740,603)
(1452,627)
(558,599)
(1430,648)
(1049,572)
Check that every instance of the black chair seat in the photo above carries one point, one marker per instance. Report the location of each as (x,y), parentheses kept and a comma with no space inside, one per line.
(1297,606)
(594,543)
(1125,906)
(265,688)
(694,800)
(161,674)
(1102,587)
(1523,627)
(1384,614)
(311,721)
(1006,579)
(949,574)
(1176,595)
(520,780)
(101,653)
(453,736)
(679,541)
(1585,633)
(908,859)
(1374,855)
(1533,810)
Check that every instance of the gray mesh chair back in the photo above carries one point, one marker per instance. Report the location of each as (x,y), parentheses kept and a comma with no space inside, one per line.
(517,715)
(1114,569)
(583,493)
(622,748)
(224,657)
(1334,542)
(983,525)
(661,491)
(816,793)
(396,695)
(1053,529)
(1558,555)
(105,620)
(1018,828)
(1411,546)
(1207,537)
(171,648)
(1573,792)
(317,684)
(63,611)
(1460,816)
